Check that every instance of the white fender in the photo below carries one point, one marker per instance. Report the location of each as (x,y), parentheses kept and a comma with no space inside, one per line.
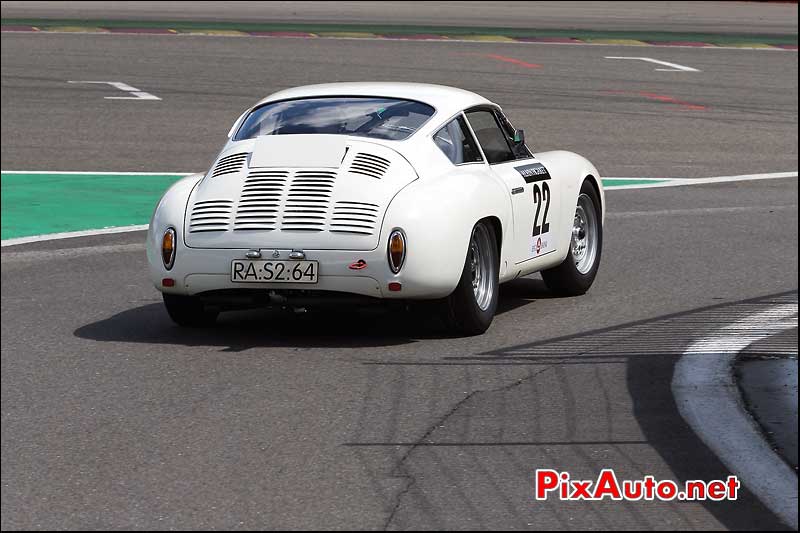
(569,170)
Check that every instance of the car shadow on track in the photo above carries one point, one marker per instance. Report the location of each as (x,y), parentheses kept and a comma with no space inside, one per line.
(340,328)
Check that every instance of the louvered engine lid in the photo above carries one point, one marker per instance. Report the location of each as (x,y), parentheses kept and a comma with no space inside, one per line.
(337,203)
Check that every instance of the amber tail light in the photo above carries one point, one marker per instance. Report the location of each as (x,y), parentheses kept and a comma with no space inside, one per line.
(168,248)
(397,250)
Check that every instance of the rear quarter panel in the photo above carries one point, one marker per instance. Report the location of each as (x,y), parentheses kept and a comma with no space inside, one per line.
(169,212)
(437,214)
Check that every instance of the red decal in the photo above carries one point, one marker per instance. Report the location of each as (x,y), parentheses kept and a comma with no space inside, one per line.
(358,265)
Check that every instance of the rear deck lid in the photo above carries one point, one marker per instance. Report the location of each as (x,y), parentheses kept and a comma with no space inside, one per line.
(296,191)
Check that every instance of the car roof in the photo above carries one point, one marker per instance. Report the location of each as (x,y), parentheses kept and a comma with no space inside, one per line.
(446,100)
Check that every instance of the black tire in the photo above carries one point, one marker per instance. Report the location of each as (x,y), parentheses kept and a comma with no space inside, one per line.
(566,279)
(188,311)
(463,314)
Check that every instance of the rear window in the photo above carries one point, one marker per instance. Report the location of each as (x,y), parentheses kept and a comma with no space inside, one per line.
(381,118)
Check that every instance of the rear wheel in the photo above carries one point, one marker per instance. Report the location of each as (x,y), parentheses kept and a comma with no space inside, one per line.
(188,311)
(471,306)
(576,274)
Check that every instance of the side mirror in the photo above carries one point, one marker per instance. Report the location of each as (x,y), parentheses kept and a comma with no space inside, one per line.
(519,137)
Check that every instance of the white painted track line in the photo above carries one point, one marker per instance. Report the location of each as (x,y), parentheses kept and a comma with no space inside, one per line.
(673,67)
(709,400)
(72,234)
(677,182)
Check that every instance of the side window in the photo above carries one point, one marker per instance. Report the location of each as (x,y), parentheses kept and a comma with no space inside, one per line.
(457,143)
(492,138)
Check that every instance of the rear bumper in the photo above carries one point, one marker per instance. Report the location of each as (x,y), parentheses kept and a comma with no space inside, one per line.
(201,270)
(363,285)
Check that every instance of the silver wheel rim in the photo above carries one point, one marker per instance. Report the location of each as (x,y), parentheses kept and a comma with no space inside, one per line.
(481,267)
(584,234)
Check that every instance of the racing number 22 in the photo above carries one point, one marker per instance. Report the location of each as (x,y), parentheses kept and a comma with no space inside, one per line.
(541,196)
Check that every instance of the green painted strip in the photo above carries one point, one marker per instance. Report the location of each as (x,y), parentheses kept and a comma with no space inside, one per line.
(386,29)
(53,202)
(40,203)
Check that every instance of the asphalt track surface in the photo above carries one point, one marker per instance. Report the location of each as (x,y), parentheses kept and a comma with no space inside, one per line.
(113,417)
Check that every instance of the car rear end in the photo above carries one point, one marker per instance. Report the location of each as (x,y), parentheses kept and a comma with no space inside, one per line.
(264,221)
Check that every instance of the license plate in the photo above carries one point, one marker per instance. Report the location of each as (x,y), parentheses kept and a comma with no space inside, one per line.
(274,271)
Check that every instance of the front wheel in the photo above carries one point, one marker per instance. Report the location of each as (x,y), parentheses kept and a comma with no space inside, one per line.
(576,274)
(471,306)
(188,311)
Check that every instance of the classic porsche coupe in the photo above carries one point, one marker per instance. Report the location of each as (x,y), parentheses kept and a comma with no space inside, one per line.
(383,191)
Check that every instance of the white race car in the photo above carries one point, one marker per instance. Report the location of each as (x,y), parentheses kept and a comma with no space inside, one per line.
(392,191)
